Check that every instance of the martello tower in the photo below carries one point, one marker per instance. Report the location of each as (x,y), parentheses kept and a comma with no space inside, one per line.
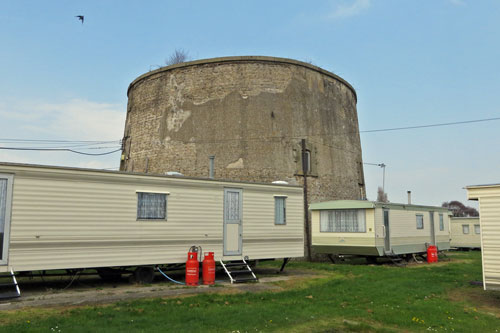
(259,119)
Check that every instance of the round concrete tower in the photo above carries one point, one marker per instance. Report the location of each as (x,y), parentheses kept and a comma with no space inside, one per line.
(260,119)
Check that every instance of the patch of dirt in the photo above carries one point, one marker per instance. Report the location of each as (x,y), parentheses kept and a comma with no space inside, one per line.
(91,290)
(487,302)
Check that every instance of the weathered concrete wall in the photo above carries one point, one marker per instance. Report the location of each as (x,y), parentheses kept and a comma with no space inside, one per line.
(251,114)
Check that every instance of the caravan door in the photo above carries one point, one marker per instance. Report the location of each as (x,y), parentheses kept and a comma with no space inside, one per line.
(5,204)
(387,232)
(233,229)
(433,231)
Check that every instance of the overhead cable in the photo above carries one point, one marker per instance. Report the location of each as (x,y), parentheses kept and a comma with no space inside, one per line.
(60,149)
(430,125)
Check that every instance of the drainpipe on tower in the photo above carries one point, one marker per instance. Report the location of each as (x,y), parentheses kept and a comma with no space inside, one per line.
(305,170)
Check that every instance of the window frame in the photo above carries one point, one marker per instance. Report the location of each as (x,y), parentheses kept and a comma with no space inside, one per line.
(276,199)
(361,222)
(477,227)
(417,221)
(464,226)
(165,196)
(441,222)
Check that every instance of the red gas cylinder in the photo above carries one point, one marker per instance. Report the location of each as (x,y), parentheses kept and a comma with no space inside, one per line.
(192,269)
(432,254)
(209,268)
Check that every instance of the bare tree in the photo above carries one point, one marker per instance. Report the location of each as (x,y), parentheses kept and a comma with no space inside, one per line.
(177,57)
(459,209)
(381,195)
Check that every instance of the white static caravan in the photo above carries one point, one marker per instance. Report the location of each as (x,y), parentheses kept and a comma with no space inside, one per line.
(489,220)
(465,233)
(68,218)
(371,229)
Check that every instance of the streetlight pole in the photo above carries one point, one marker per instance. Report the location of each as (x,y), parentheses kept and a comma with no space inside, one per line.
(382,165)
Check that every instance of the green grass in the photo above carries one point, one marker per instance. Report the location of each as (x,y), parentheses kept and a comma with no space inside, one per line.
(346,298)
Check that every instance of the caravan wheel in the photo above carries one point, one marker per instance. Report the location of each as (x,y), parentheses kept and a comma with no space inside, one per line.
(144,274)
(109,274)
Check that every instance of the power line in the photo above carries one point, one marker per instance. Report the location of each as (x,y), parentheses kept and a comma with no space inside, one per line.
(61,149)
(430,125)
(83,143)
(58,141)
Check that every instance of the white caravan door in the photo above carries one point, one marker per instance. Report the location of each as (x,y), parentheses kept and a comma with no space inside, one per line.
(387,231)
(5,204)
(233,229)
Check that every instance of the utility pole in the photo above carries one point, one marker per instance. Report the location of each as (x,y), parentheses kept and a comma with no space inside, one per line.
(305,170)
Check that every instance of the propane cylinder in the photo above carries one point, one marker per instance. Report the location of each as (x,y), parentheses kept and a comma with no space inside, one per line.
(209,268)
(192,269)
(432,254)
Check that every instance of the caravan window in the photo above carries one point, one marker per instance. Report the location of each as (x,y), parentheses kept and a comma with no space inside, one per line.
(420,221)
(151,206)
(441,222)
(477,229)
(279,210)
(343,220)
(465,229)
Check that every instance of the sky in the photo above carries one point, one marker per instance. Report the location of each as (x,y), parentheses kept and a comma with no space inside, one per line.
(411,62)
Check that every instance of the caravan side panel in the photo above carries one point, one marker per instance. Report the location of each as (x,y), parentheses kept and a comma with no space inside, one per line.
(405,237)
(356,243)
(73,219)
(489,217)
(459,238)
(261,236)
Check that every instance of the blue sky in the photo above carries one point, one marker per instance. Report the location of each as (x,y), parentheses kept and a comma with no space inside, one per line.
(411,63)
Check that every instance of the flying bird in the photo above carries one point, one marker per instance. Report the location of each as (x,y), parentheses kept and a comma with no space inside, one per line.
(80,17)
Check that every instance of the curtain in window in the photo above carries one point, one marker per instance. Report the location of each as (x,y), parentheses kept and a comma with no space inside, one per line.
(151,206)
(233,206)
(420,221)
(279,210)
(345,220)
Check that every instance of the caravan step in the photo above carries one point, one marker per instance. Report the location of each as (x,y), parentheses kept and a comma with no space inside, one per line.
(235,264)
(241,272)
(235,275)
(245,279)
(10,289)
(9,295)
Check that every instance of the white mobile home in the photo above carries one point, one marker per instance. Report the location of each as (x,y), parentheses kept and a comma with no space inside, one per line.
(489,220)
(65,218)
(465,233)
(368,228)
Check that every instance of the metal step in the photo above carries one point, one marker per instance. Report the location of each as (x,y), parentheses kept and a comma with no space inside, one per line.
(9,295)
(10,289)
(241,264)
(236,264)
(240,280)
(240,272)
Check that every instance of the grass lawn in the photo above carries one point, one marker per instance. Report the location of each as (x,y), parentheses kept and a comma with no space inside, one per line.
(345,298)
